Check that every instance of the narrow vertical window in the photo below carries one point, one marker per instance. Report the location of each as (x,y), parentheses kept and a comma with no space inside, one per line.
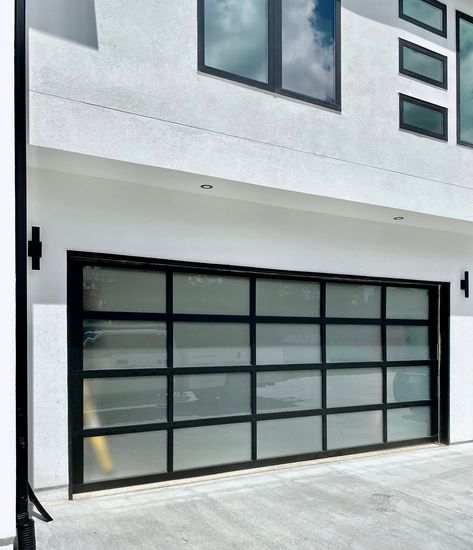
(465,78)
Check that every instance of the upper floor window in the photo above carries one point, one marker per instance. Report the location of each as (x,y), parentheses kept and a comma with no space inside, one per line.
(291,47)
(428,14)
(465,78)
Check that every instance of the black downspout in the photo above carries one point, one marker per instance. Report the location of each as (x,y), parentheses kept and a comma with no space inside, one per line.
(25,525)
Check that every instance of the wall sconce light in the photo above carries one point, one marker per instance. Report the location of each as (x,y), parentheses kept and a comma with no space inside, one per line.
(465,284)
(35,248)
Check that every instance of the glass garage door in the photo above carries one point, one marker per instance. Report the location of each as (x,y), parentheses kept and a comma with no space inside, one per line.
(178,370)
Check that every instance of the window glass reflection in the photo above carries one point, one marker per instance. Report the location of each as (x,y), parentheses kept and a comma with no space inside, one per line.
(466,81)
(308,48)
(236,37)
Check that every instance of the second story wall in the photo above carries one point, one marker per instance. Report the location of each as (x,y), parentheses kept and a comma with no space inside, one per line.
(124,84)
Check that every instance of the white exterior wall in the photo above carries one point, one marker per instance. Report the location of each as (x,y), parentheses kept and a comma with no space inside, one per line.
(86,214)
(129,90)
(7,273)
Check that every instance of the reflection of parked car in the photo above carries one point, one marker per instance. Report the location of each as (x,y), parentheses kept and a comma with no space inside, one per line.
(411,384)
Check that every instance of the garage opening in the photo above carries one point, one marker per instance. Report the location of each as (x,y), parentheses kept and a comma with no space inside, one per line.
(179,369)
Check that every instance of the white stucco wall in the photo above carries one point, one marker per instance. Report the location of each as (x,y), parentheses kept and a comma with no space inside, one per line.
(7,273)
(129,90)
(78,213)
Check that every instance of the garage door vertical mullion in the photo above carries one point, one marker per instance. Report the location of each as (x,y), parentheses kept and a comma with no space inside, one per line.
(434,329)
(254,435)
(323,354)
(384,351)
(170,364)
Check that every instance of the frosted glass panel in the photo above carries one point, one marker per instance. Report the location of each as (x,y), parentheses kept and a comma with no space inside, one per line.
(287,298)
(288,391)
(408,423)
(360,301)
(408,343)
(211,344)
(121,401)
(289,436)
(211,445)
(211,294)
(124,455)
(351,387)
(354,429)
(209,395)
(352,343)
(281,344)
(118,289)
(236,37)
(408,384)
(124,345)
(407,303)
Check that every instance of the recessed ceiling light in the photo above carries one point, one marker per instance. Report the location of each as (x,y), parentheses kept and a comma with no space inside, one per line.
(207,186)
(399,218)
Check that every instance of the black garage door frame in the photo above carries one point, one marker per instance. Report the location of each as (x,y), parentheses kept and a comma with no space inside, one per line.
(439,300)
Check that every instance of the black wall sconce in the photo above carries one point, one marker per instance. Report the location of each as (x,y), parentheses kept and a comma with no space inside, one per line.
(465,284)
(35,249)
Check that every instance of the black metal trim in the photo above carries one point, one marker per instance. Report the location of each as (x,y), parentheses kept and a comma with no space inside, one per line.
(181,474)
(274,57)
(421,131)
(442,32)
(76,261)
(459,16)
(430,53)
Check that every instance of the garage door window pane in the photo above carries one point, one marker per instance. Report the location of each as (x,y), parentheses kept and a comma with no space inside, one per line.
(356,301)
(287,298)
(353,343)
(407,303)
(351,387)
(122,401)
(211,294)
(212,446)
(281,344)
(289,436)
(209,395)
(408,423)
(124,345)
(125,455)
(408,343)
(408,384)
(354,429)
(236,37)
(288,391)
(211,344)
(118,289)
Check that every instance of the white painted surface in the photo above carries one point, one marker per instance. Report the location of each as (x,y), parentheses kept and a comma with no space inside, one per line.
(7,273)
(132,92)
(79,213)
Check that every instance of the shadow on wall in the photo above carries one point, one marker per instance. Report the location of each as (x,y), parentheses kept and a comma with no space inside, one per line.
(73,20)
(387,13)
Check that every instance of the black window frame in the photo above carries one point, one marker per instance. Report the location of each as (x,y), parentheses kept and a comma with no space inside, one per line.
(430,53)
(274,83)
(437,323)
(459,16)
(443,7)
(420,131)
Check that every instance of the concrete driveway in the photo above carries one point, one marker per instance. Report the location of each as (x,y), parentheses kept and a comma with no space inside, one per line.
(407,500)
